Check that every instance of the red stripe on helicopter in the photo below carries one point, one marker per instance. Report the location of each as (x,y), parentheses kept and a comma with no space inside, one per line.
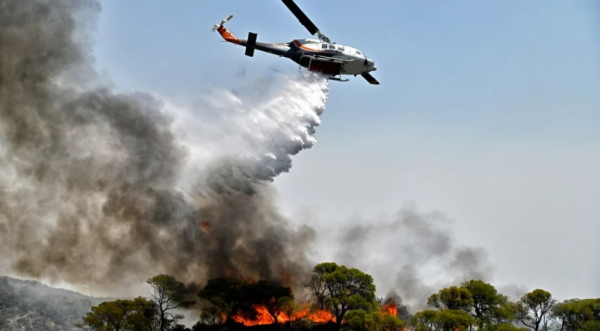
(297,43)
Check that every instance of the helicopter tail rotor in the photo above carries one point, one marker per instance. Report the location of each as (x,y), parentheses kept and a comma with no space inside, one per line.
(225,20)
(226,34)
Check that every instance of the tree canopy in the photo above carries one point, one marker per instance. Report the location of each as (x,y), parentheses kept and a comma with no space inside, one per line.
(360,320)
(343,298)
(168,294)
(442,320)
(453,298)
(488,308)
(576,314)
(340,289)
(534,308)
(138,314)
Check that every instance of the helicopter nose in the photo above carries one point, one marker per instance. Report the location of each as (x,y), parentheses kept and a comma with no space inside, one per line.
(371,64)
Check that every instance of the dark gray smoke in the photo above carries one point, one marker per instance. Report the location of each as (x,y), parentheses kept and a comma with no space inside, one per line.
(91,179)
(413,254)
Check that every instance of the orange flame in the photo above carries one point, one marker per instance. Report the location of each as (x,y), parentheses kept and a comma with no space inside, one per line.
(390,309)
(264,318)
(317,316)
(205,226)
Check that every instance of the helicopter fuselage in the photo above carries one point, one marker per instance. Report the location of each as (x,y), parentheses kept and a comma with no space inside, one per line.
(304,51)
(313,54)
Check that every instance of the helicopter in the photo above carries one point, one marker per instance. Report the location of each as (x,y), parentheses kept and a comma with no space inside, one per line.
(317,55)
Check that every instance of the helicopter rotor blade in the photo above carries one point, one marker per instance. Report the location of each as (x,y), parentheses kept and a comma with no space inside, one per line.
(301,16)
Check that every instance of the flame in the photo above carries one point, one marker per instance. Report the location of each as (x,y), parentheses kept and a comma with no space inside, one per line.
(264,318)
(205,226)
(390,308)
(317,316)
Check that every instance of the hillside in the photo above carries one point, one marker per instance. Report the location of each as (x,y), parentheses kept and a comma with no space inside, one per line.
(33,306)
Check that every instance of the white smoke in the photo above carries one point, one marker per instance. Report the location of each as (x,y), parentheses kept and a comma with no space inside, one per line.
(260,126)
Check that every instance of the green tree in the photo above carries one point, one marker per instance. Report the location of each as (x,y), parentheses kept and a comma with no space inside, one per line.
(360,320)
(502,327)
(442,320)
(340,289)
(576,315)
(534,308)
(478,298)
(488,306)
(453,298)
(138,314)
(168,294)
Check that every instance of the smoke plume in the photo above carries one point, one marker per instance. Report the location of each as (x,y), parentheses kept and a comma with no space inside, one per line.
(412,254)
(102,189)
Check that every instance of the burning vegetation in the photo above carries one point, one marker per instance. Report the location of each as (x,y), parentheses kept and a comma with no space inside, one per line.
(335,297)
(338,298)
(333,291)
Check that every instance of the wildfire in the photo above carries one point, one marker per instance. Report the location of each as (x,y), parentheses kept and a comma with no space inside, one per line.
(390,308)
(264,318)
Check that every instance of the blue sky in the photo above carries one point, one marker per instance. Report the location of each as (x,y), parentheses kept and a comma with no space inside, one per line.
(488,111)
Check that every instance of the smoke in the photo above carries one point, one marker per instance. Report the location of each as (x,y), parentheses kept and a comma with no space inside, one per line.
(412,254)
(102,189)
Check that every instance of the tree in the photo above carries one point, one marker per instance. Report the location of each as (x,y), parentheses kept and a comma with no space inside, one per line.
(442,320)
(534,308)
(138,314)
(340,289)
(576,314)
(210,318)
(391,323)
(169,294)
(488,306)
(360,320)
(477,298)
(502,327)
(453,298)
